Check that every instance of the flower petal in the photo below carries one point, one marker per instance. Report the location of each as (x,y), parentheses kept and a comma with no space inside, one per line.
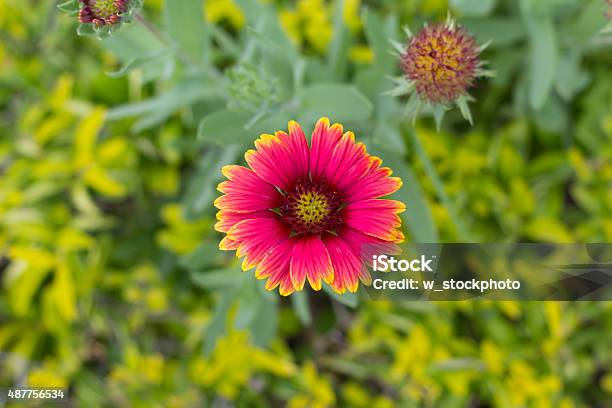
(348,163)
(324,139)
(227,219)
(310,260)
(298,148)
(346,261)
(280,159)
(227,244)
(367,246)
(245,191)
(256,237)
(375,183)
(377,218)
(276,267)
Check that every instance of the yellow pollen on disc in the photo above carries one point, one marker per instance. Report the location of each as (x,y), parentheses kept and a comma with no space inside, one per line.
(311,208)
(105,8)
(440,58)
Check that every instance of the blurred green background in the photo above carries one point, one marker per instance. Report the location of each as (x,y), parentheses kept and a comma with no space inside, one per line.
(111,283)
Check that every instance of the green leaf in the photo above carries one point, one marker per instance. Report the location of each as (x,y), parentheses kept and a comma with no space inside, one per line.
(299,300)
(388,135)
(270,37)
(254,11)
(185,26)
(69,6)
(338,48)
(571,77)
(379,34)
(225,126)
(501,31)
(85,29)
(248,305)
(473,8)
(202,257)
(161,107)
(218,322)
(543,57)
(462,103)
(347,298)
(218,278)
(553,116)
(438,112)
(339,102)
(140,62)
(133,43)
(265,323)
(412,107)
(417,217)
(586,24)
(201,189)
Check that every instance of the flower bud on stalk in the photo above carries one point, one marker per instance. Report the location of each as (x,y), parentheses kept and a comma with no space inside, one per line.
(439,64)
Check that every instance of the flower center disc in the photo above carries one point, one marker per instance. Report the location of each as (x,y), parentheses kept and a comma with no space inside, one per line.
(105,8)
(441,58)
(311,208)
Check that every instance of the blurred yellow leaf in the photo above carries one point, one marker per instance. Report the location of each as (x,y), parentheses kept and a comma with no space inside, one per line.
(181,236)
(361,54)
(548,229)
(47,376)
(52,166)
(50,128)
(22,289)
(70,239)
(85,137)
(64,292)
(163,180)
(111,151)
(98,178)
(351,14)
(218,10)
(492,356)
(157,300)
(62,92)
(34,257)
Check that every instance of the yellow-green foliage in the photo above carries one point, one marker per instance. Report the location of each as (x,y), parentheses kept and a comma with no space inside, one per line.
(110,278)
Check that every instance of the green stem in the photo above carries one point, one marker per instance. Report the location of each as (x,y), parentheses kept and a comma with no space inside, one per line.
(161,37)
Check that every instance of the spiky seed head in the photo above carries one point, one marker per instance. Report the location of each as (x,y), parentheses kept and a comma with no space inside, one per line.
(442,60)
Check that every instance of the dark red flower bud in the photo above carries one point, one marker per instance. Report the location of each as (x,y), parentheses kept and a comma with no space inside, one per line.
(442,61)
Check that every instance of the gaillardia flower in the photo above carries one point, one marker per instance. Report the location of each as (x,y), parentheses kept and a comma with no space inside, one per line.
(311,213)
(441,62)
(102,12)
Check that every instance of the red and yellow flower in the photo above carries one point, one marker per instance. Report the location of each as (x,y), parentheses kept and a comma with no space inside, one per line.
(309,213)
